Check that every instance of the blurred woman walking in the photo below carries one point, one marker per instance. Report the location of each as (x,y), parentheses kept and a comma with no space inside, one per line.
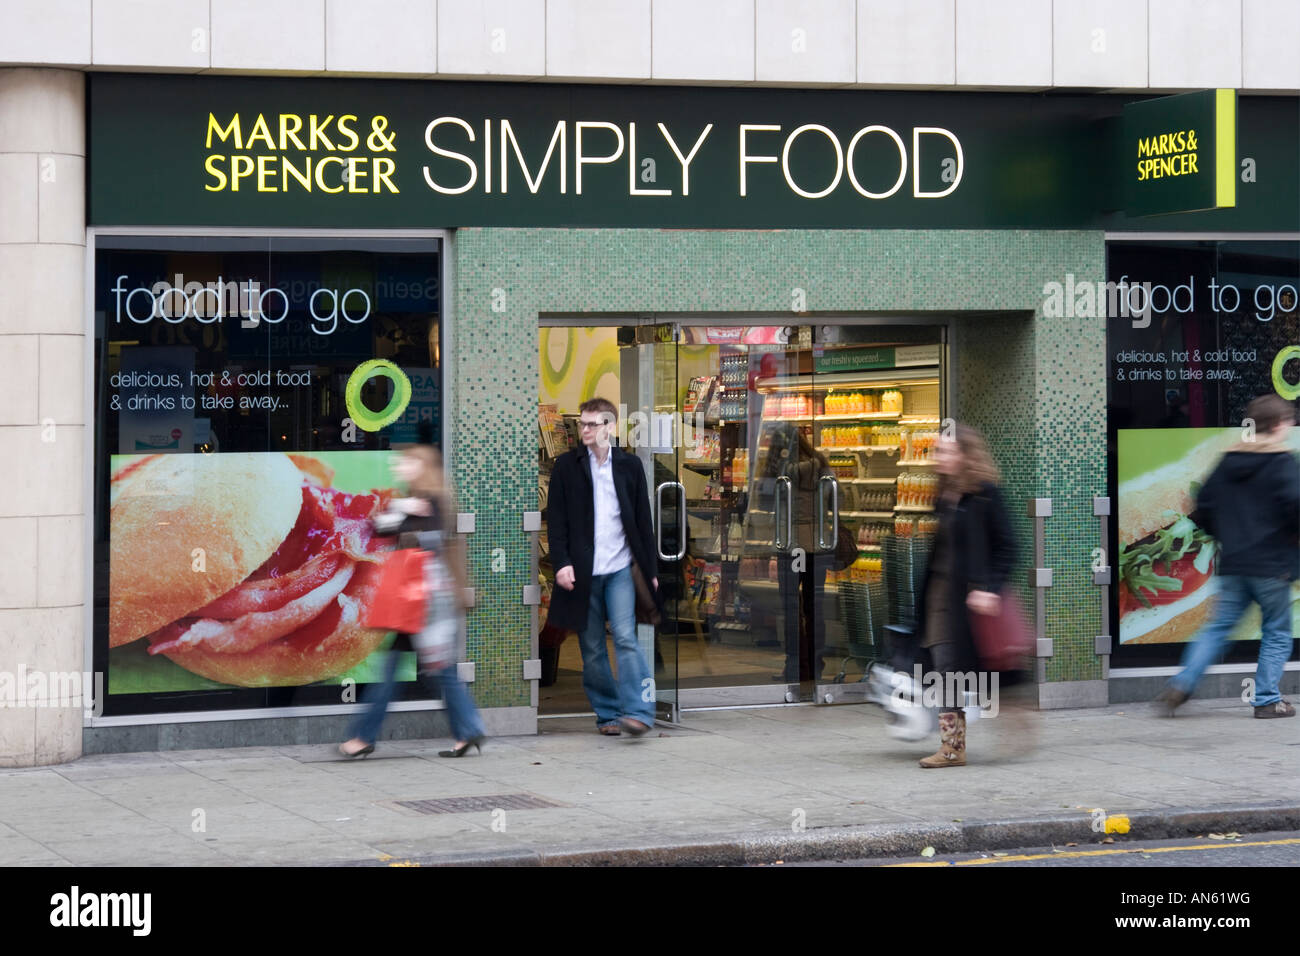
(427,520)
(973,554)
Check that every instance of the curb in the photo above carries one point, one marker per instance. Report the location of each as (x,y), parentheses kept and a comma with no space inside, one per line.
(883,840)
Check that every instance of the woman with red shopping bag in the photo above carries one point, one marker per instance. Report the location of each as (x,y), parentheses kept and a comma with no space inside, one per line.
(968,618)
(422,596)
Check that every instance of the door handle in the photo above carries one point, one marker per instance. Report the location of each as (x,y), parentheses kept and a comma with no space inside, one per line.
(822,543)
(789,514)
(681,524)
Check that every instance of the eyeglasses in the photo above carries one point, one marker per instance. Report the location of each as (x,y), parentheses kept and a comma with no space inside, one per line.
(582,424)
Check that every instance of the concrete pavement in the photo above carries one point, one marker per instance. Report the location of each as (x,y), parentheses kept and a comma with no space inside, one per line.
(726,787)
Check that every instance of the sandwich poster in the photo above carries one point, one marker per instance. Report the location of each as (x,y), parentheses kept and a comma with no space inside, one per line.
(249,569)
(1167,563)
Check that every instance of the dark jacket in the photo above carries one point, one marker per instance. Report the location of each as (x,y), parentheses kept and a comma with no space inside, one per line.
(571,528)
(1251,505)
(983,548)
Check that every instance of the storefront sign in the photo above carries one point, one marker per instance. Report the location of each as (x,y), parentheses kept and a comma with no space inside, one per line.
(1181,153)
(853,360)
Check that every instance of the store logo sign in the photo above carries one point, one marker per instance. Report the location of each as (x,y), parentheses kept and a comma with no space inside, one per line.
(298,153)
(1180,153)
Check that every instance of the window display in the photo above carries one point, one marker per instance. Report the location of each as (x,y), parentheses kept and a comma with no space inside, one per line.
(247,393)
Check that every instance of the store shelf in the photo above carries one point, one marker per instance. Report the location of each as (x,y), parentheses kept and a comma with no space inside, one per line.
(701,465)
(782,420)
(904,463)
(867,481)
(866,448)
(866,514)
(859,417)
(914,508)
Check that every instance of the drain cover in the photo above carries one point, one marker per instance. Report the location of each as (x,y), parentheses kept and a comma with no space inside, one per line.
(481,804)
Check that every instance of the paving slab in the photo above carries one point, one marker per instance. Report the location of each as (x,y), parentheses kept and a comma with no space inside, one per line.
(725,787)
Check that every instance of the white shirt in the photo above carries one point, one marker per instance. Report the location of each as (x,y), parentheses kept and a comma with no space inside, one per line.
(612,553)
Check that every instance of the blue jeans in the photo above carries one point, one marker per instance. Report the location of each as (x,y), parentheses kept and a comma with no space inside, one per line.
(368,723)
(1273,595)
(466,724)
(613,597)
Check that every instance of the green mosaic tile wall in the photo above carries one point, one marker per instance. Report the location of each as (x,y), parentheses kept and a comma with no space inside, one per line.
(1043,408)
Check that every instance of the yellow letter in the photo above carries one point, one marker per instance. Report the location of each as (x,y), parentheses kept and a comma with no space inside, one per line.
(290,132)
(241,167)
(260,132)
(215,127)
(321,182)
(383,169)
(347,132)
(218,175)
(263,174)
(355,172)
(304,178)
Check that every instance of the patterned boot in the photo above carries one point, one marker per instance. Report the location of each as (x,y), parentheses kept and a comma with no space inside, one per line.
(952,736)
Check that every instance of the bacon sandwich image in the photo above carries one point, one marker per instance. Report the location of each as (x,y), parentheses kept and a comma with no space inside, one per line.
(1166,559)
(247,569)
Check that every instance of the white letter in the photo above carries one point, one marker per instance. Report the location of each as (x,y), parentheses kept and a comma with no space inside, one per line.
(746,158)
(686,162)
(916,161)
(508,136)
(581,160)
(902,161)
(473,169)
(839,161)
(631,168)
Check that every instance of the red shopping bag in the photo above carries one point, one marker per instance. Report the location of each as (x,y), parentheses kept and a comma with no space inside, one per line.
(1004,639)
(401,594)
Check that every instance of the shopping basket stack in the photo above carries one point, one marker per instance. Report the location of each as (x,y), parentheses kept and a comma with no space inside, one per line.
(905,558)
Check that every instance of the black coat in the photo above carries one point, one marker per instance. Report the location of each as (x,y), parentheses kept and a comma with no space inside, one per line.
(571,528)
(983,551)
(1251,504)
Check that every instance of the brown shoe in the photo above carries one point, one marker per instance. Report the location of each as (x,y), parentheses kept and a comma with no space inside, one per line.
(1277,709)
(952,746)
(609,730)
(1170,699)
(634,726)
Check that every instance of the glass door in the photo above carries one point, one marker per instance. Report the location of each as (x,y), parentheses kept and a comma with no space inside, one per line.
(664,444)
(877,409)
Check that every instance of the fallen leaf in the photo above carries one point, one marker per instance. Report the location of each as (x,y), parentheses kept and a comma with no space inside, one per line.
(1072,844)
(1000,853)
(1117,824)
(1108,840)
(1216,836)
(1233,836)
(777,862)
(928,852)
(956,820)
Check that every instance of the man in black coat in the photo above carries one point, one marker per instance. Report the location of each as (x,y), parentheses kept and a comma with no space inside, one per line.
(600,532)
(1251,506)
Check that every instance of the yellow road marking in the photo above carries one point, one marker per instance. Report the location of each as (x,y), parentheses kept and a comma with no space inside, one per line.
(1290,841)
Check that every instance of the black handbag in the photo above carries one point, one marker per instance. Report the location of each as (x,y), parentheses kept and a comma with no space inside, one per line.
(846,549)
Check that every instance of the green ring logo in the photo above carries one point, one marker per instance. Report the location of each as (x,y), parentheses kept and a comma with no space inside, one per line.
(1284,388)
(366,419)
